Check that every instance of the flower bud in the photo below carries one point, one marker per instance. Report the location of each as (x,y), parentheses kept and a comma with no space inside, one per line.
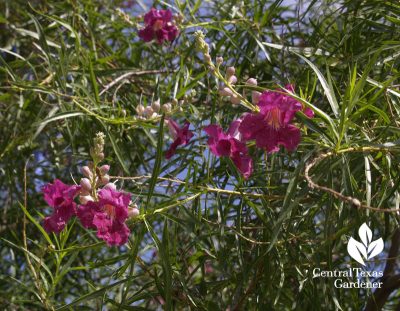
(207,58)
(83,199)
(232,80)
(220,60)
(100,156)
(230,71)
(166,108)
(148,111)
(156,105)
(174,102)
(86,186)
(104,169)
(251,81)
(255,97)
(140,110)
(110,186)
(133,212)
(225,92)
(85,170)
(235,100)
(105,179)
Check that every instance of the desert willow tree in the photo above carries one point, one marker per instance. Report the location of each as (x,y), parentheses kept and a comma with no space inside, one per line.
(199,155)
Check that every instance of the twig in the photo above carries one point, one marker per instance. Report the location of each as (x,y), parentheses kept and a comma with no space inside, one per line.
(206,188)
(129,74)
(353,201)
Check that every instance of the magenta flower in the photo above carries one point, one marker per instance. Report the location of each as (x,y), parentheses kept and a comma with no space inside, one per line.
(61,198)
(181,136)
(228,145)
(107,215)
(271,127)
(159,26)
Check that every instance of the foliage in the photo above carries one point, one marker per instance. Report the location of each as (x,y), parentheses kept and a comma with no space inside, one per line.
(206,238)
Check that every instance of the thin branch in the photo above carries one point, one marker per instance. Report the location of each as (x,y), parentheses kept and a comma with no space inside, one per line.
(206,188)
(353,201)
(129,74)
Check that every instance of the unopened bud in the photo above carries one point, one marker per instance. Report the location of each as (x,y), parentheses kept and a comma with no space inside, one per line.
(174,101)
(105,179)
(148,112)
(166,108)
(110,186)
(232,80)
(207,58)
(140,110)
(85,170)
(104,169)
(235,100)
(100,156)
(156,105)
(255,97)
(251,81)
(220,60)
(225,91)
(86,186)
(133,212)
(230,71)
(85,198)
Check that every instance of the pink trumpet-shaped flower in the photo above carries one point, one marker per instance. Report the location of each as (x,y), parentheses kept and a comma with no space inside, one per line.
(159,26)
(228,145)
(181,136)
(271,127)
(107,215)
(61,198)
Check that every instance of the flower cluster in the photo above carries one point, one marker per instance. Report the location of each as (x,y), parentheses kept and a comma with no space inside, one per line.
(101,206)
(271,126)
(158,25)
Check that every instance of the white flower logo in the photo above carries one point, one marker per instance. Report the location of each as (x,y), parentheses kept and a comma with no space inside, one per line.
(366,249)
